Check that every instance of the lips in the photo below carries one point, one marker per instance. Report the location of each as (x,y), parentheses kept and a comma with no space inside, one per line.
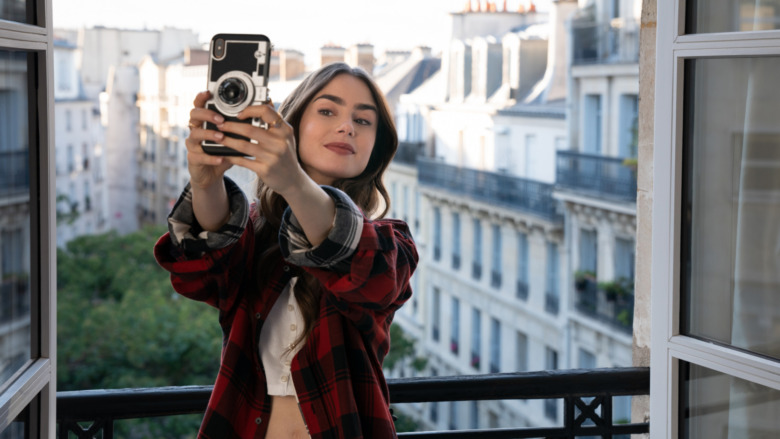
(341,148)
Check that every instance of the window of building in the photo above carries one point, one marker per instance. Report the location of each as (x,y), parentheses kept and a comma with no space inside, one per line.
(476,266)
(495,271)
(585,359)
(436,234)
(474,415)
(476,338)
(495,345)
(453,415)
(521,363)
(592,137)
(405,203)
(552,300)
(625,259)
(436,310)
(715,356)
(522,266)
(588,251)
(417,199)
(455,336)
(551,363)
(68,120)
(455,241)
(628,126)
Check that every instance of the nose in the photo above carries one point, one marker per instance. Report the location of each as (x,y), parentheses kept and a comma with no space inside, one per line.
(347,127)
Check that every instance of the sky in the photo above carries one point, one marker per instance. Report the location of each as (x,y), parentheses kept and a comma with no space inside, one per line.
(304,25)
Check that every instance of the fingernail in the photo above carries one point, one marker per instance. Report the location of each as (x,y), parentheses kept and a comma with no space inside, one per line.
(219,119)
(219,136)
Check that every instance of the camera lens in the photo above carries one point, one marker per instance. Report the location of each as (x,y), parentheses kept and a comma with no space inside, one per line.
(232,91)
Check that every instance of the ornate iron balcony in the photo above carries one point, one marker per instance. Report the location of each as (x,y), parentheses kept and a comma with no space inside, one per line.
(521,194)
(596,175)
(613,42)
(587,396)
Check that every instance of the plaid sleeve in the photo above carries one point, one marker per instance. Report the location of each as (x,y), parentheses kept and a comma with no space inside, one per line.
(188,235)
(340,244)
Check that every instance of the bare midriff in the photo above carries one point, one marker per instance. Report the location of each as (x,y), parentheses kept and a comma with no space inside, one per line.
(286,419)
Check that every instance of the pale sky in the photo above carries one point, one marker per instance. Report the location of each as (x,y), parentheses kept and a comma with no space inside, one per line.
(304,25)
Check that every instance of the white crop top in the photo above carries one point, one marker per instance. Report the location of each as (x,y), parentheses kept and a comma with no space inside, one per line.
(281,329)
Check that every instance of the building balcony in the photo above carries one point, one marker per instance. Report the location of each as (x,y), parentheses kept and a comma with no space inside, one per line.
(611,306)
(613,42)
(595,175)
(14,172)
(408,152)
(516,193)
(586,393)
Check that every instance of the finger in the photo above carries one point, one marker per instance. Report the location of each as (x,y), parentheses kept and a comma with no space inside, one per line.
(198,135)
(201,98)
(266,113)
(200,115)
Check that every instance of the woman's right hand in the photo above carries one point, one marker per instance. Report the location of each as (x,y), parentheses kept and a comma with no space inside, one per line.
(205,170)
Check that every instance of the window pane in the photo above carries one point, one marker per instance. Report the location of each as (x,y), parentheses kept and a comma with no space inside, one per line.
(14,215)
(732,15)
(731,240)
(15,10)
(719,406)
(19,427)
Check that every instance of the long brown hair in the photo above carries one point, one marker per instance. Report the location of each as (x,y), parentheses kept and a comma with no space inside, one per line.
(367,189)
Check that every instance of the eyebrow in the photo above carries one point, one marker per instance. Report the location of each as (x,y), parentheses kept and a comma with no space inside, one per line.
(341,102)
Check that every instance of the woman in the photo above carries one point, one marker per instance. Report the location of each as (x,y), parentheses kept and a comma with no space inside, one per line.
(306,280)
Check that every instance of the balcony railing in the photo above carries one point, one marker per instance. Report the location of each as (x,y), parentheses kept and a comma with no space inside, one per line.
(596,175)
(408,152)
(516,193)
(616,310)
(614,42)
(587,396)
(14,172)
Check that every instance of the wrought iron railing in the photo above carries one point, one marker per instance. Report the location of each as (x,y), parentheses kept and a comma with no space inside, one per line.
(597,175)
(613,42)
(408,152)
(521,194)
(14,172)
(616,310)
(587,396)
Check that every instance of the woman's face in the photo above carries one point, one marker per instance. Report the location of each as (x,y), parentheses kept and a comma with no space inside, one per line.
(338,130)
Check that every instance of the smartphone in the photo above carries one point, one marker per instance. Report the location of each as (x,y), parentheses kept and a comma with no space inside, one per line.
(237,78)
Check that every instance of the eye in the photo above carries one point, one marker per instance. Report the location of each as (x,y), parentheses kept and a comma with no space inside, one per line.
(325,112)
(365,122)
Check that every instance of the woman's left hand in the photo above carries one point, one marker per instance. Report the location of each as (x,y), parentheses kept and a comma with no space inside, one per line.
(275,157)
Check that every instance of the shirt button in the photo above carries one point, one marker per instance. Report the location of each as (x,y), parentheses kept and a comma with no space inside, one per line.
(287,363)
(258,421)
(290,308)
(286,268)
(284,378)
(293,327)
(258,315)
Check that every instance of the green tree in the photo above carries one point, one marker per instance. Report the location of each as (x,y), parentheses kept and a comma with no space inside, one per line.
(121,325)
(403,352)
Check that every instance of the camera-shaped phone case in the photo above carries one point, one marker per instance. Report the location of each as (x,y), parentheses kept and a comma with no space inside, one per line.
(238,77)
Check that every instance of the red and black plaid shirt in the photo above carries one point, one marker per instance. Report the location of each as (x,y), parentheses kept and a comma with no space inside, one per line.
(338,372)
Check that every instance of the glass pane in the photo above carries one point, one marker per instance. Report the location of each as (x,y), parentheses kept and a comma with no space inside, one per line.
(719,406)
(732,15)
(15,10)
(14,215)
(731,238)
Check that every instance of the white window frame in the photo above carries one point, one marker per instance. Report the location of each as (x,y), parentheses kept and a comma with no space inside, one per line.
(35,384)
(668,346)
